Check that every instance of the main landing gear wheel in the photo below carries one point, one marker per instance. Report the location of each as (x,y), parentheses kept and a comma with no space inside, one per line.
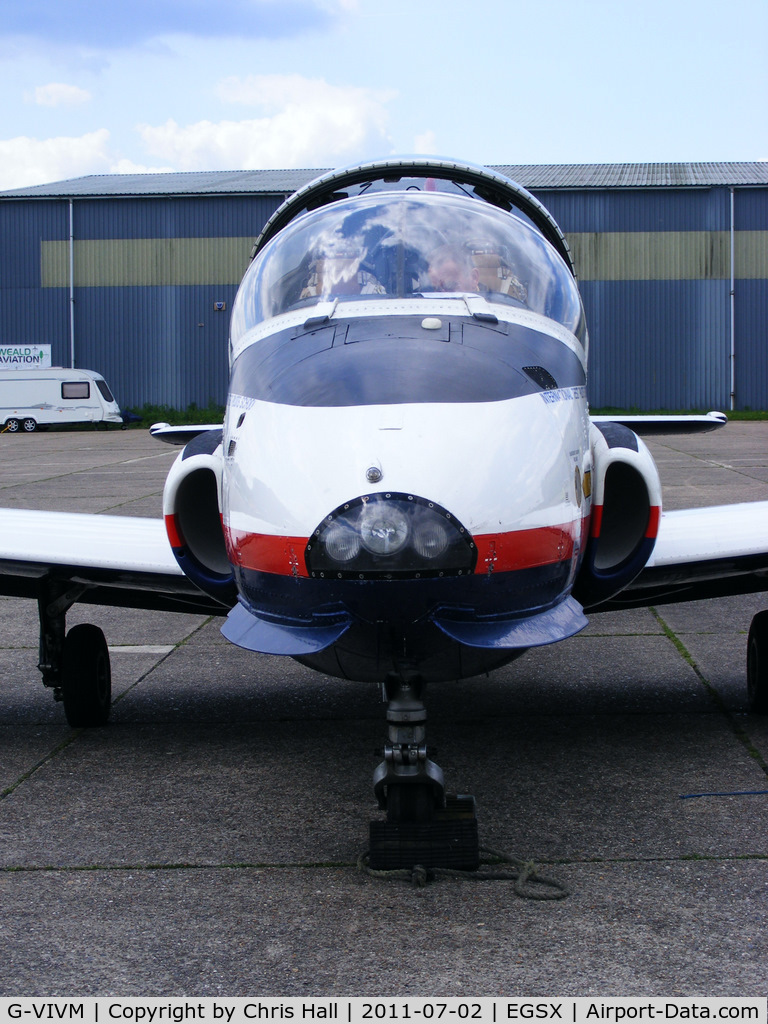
(757,664)
(86,677)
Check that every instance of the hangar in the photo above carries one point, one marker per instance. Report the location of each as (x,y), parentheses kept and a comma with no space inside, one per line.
(134,276)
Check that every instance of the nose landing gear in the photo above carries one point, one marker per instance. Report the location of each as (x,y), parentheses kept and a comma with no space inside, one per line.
(424,825)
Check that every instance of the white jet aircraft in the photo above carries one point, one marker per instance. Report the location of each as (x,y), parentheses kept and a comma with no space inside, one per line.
(408,486)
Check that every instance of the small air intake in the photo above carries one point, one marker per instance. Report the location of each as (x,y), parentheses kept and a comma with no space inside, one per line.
(542,377)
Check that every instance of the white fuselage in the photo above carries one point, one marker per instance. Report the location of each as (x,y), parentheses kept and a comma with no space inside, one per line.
(511,471)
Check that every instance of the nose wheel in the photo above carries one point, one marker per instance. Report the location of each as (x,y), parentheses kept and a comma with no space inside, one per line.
(423,826)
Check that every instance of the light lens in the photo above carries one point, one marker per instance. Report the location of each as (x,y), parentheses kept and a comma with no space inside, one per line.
(390,536)
(430,539)
(383,529)
(342,542)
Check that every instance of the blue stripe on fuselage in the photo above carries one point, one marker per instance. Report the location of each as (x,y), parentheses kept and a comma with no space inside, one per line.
(393,360)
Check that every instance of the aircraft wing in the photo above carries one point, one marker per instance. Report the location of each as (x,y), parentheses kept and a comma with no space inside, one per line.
(181,435)
(118,560)
(702,553)
(652,423)
(126,561)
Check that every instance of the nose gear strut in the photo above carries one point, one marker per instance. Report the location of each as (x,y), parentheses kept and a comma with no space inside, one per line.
(424,825)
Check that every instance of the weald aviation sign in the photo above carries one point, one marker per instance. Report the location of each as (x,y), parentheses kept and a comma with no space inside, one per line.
(29,356)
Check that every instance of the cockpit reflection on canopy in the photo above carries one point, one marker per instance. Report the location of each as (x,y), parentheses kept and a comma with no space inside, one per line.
(406,245)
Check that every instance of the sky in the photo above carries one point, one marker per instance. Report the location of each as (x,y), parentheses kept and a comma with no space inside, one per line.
(189,85)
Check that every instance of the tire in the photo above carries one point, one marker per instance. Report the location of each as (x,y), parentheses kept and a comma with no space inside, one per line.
(29,425)
(410,802)
(12,426)
(86,677)
(757,664)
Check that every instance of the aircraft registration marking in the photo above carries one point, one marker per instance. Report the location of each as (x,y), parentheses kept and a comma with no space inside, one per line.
(564,394)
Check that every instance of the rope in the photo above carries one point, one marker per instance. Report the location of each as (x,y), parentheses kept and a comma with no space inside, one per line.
(523,873)
(740,792)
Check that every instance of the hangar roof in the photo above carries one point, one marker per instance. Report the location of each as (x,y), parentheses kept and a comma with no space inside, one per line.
(189,183)
(285,182)
(679,175)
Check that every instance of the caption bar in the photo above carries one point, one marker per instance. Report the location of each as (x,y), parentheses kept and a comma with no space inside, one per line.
(623,1010)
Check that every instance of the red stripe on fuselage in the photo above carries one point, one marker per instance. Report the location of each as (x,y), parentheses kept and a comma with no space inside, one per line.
(526,549)
(173,531)
(651,530)
(596,521)
(264,552)
(496,552)
(654,517)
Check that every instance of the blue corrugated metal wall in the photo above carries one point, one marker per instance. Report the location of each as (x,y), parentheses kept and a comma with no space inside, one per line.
(638,209)
(162,343)
(158,343)
(658,344)
(659,327)
(751,309)
(662,340)
(28,313)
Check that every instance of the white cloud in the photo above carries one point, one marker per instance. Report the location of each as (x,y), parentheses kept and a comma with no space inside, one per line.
(125,166)
(25,161)
(334,6)
(307,122)
(276,93)
(300,123)
(426,143)
(58,94)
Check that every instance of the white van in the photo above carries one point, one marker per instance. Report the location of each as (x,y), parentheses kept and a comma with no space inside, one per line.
(34,398)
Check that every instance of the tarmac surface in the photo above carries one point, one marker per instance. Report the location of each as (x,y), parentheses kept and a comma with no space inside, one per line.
(205,842)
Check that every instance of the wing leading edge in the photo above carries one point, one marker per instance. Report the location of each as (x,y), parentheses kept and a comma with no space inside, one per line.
(127,562)
(118,560)
(650,424)
(703,553)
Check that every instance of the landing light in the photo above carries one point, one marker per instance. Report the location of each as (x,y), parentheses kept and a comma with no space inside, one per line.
(390,536)
(342,542)
(383,529)
(430,540)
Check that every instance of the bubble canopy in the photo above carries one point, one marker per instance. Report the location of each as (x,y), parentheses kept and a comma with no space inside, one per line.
(407,245)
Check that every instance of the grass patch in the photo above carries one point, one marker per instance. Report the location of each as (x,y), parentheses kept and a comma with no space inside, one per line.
(145,415)
(735,414)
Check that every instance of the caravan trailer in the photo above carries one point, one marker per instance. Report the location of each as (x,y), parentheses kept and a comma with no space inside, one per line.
(41,397)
